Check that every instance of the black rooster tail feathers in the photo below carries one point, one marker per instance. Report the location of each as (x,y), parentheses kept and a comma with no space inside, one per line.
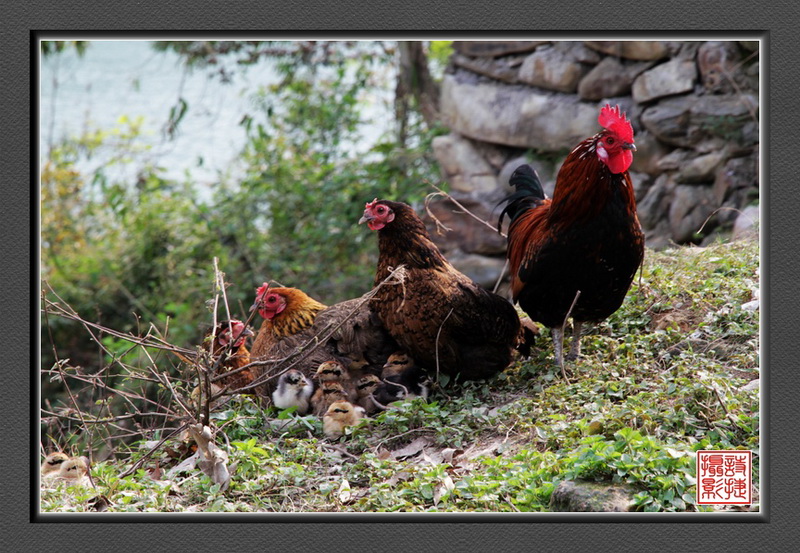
(529,193)
(525,177)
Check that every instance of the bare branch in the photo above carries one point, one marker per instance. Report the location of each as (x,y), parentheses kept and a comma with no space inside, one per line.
(441,192)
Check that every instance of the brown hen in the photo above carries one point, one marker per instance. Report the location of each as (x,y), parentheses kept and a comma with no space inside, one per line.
(441,317)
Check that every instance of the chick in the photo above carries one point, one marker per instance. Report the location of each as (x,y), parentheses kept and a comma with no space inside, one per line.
(52,463)
(395,364)
(366,387)
(358,368)
(334,371)
(328,393)
(403,378)
(73,470)
(294,390)
(339,415)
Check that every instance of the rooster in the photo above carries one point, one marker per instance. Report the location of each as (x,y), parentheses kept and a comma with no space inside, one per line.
(577,253)
(441,317)
(292,320)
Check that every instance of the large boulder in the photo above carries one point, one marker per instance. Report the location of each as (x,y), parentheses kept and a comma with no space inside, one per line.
(690,211)
(738,174)
(686,121)
(553,68)
(676,76)
(717,62)
(584,496)
(649,150)
(518,116)
(610,77)
(495,48)
(656,202)
(700,169)
(632,49)
(463,166)
(483,269)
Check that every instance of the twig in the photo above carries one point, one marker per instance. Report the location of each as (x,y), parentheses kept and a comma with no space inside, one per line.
(395,437)
(405,390)
(500,277)
(145,341)
(439,225)
(563,325)
(378,404)
(714,213)
(724,408)
(460,206)
(106,420)
(511,504)
(338,449)
(161,442)
(62,374)
(438,333)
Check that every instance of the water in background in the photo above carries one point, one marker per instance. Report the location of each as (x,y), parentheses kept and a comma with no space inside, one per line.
(129,78)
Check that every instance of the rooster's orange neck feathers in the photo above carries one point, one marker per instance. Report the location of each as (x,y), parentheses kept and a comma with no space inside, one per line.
(585,186)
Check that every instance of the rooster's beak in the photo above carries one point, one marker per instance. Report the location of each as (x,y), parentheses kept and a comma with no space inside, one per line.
(629,146)
(365,218)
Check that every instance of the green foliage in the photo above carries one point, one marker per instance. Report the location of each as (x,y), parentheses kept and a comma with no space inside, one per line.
(136,253)
(51,47)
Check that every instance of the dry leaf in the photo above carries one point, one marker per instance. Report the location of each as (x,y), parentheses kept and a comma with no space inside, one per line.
(344,494)
(444,489)
(186,465)
(449,453)
(411,449)
(384,454)
(211,460)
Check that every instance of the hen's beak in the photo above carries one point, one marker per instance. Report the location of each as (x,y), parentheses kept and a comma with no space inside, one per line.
(247,332)
(366,218)
(629,146)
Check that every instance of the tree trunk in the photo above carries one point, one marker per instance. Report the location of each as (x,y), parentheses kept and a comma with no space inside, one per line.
(414,79)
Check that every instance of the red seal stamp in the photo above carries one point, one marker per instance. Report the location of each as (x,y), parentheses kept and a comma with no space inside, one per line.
(724,477)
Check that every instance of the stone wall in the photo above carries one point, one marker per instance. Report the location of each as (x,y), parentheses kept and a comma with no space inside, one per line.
(694,110)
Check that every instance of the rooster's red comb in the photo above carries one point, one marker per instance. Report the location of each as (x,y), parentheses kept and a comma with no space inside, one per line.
(616,121)
(371,204)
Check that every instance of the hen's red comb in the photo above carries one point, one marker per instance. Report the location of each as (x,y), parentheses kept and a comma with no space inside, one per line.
(615,120)
(262,290)
(371,204)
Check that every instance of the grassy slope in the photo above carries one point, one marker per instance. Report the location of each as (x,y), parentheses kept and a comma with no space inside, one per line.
(660,379)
